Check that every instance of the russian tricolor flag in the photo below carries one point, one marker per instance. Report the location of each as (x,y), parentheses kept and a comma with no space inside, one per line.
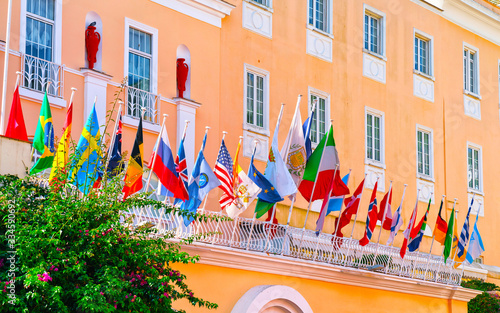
(164,168)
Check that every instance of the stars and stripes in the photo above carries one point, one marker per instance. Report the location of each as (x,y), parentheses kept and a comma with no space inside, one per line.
(224,172)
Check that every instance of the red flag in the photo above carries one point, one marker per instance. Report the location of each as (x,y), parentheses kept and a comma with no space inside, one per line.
(16,129)
(351,208)
(371,218)
(339,188)
(385,207)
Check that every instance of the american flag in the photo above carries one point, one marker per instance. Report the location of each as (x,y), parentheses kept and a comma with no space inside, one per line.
(181,164)
(224,172)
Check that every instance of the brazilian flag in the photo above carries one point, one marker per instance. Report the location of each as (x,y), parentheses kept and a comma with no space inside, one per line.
(43,142)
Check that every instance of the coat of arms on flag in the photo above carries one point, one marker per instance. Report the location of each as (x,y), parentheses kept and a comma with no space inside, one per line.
(296,159)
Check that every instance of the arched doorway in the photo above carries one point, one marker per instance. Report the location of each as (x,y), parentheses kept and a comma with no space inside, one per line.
(272,299)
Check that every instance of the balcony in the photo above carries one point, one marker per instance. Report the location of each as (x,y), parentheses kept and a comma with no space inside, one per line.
(137,100)
(37,73)
(304,245)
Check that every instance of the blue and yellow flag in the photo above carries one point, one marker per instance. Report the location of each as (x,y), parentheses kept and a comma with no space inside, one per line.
(43,142)
(88,156)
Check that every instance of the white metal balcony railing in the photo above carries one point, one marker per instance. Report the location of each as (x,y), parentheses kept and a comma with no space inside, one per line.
(138,99)
(37,73)
(260,236)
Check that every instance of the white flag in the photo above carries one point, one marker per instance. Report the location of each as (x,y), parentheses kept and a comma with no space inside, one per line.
(245,192)
(294,149)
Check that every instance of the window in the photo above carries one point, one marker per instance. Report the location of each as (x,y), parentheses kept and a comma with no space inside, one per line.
(474,167)
(141,50)
(318,14)
(319,121)
(471,71)
(424,153)
(374,136)
(423,55)
(374,40)
(266,3)
(256,99)
(39,28)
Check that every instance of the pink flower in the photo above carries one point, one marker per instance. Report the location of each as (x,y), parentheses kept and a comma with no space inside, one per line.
(102,293)
(44,277)
(56,269)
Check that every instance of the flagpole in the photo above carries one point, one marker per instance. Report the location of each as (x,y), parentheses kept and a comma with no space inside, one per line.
(383,220)
(334,234)
(324,208)
(400,205)
(255,213)
(360,197)
(432,243)
(206,196)
(157,146)
(6,66)
(312,194)
(274,206)
(113,137)
(420,244)
(458,236)
(463,266)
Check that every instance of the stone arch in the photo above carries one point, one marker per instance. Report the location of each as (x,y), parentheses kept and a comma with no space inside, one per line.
(183,52)
(272,299)
(89,18)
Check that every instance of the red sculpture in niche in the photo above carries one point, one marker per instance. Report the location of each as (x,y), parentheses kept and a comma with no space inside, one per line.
(182,74)
(92,39)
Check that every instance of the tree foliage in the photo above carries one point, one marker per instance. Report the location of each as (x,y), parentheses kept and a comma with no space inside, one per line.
(84,254)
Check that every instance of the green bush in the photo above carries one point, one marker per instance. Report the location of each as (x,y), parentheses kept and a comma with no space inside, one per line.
(483,303)
(75,254)
(479,285)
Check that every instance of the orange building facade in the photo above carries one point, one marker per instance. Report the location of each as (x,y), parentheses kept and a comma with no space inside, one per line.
(412,88)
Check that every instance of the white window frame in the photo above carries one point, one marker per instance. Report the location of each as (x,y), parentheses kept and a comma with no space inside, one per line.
(129,23)
(423,129)
(247,68)
(476,94)
(329,19)
(368,10)
(474,146)
(321,94)
(381,115)
(268,5)
(57,30)
(430,63)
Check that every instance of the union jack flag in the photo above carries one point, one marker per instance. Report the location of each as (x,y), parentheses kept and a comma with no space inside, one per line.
(181,164)
(371,218)
(224,172)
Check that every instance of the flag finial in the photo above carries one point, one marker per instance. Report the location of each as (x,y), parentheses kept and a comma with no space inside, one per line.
(165,115)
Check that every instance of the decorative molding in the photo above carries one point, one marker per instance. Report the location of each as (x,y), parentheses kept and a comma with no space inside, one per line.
(426,189)
(264,263)
(257,19)
(374,67)
(467,14)
(478,199)
(319,45)
(423,87)
(146,126)
(184,102)
(12,52)
(96,85)
(208,11)
(472,107)
(372,172)
(473,272)
(37,96)
(259,298)
(262,149)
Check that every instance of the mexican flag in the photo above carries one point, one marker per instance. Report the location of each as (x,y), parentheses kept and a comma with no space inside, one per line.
(320,168)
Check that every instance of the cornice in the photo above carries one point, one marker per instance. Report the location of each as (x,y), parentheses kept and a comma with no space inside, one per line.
(187,103)
(209,11)
(259,262)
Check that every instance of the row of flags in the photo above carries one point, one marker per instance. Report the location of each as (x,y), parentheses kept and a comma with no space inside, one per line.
(296,168)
